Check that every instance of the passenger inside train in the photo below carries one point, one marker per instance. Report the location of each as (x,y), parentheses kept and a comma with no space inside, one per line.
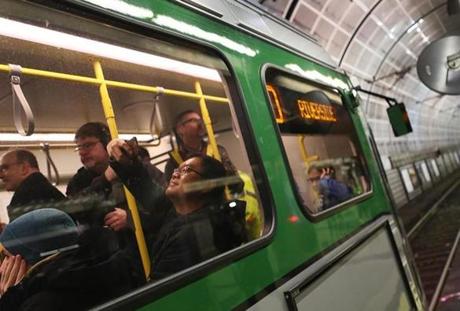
(191,221)
(60,267)
(91,140)
(20,174)
(329,191)
(190,132)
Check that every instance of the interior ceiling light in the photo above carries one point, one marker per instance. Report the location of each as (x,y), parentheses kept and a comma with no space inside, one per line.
(123,7)
(59,137)
(27,32)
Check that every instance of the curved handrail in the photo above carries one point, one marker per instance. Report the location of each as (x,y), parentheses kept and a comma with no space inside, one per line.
(23,106)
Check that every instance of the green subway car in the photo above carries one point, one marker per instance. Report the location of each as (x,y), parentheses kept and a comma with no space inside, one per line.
(321,233)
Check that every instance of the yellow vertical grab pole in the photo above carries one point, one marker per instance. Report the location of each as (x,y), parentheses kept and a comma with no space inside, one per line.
(307,159)
(207,122)
(110,117)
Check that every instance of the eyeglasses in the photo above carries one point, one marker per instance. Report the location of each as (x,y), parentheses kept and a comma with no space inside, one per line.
(5,167)
(186,169)
(86,146)
(194,120)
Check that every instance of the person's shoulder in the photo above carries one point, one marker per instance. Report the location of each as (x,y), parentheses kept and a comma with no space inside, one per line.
(82,171)
(32,183)
(82,179)
(36,175)
(83,174)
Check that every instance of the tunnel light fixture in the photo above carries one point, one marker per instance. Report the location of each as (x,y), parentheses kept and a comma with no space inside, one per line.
(27,32)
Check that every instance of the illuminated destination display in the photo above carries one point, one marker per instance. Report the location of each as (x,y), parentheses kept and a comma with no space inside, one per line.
(313,111)
(275,104)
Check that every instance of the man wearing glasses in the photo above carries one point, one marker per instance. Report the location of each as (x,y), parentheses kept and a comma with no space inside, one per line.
(20,173)
(91,139)
(189,130)
(189,220)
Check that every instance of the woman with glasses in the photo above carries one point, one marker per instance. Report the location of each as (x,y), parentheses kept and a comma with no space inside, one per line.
(183,218)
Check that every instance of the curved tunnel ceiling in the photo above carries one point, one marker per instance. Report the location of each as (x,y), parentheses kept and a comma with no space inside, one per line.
(378,42)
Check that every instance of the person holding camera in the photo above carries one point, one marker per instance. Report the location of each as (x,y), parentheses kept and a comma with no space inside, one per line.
(189,220)
(92,139)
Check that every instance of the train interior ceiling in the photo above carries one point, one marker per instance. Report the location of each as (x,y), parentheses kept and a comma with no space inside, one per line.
(61,106)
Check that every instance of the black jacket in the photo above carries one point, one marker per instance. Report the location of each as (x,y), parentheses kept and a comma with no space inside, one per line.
(85,182)
(180,241)
(35,189)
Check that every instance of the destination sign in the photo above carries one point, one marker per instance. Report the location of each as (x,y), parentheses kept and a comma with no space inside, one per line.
(314,111)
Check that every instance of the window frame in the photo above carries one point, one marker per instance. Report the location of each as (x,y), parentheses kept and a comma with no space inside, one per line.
(98,17)
(314,217)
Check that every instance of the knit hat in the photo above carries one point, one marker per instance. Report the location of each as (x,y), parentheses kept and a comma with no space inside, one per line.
(39,233)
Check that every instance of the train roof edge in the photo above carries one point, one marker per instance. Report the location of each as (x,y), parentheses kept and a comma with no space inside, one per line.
(255,20)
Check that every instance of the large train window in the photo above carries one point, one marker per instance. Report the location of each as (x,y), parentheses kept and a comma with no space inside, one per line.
(320,142)
(74,84)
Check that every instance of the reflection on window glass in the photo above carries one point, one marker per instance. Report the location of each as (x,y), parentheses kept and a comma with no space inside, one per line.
(194,190)
(422,170)
(447,162)
(453,159)
(410,179)
(407,180)
(320,141)
(457,158)
(441,165)
(434,167)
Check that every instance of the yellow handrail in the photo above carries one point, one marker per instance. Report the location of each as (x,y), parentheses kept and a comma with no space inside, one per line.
(110,83)
(307,159)
(207,122)
(110,117)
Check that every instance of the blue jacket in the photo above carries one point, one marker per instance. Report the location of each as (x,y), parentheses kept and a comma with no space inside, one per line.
(333,192)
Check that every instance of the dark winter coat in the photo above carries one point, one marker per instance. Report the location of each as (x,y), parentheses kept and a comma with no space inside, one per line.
(34,189)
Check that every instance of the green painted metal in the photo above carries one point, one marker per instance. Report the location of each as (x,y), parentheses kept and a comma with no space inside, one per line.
(293,243)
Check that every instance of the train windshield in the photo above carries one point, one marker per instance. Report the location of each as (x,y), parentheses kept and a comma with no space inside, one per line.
(93,218)
(320,142)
